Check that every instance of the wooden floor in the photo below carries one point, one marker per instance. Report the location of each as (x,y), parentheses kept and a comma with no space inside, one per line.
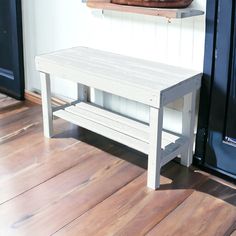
(79,183)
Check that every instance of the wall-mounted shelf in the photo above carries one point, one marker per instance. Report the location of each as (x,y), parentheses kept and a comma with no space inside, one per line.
(168,13)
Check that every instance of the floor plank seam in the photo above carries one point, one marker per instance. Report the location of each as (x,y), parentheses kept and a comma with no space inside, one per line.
(17,132)
(9,177)
(12,106)
(110,195)
(195,187)
(37,164)
(28,209)
(170,213)
(38,184)
(17,151)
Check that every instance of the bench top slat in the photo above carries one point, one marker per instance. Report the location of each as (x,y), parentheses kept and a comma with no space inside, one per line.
(106,67)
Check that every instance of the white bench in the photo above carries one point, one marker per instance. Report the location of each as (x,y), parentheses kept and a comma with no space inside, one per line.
(147,82)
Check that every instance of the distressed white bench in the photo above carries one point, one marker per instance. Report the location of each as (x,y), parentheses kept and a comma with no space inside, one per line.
(147,82)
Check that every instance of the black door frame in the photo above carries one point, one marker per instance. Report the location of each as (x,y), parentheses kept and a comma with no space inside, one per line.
(208,74)
(15,88)
(219,25)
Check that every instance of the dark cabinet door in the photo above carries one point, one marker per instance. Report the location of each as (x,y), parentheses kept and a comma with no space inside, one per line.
(11,55)
(216,138)
(230,123)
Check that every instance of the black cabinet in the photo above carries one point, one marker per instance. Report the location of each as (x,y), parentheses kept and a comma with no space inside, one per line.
(216,137)
(11,50)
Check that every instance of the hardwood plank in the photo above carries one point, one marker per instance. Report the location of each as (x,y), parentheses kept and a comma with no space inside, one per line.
(20,120)
(22,140)
(9,111)
(58,163)
(182,177)
(35,154)
(38,149)
(17,132)
(50,166)
(219,189)
(6,102)
(33,134)
(104,182)
(41,149)
(18,141)
(68,187)
(134,210)
(200,214)
(33,149)
(42,196)
(124,207)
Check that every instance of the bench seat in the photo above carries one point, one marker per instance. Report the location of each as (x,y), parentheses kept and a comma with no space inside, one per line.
(136,79)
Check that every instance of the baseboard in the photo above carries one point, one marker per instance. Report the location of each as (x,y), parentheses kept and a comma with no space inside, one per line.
(33,97)
(36,98)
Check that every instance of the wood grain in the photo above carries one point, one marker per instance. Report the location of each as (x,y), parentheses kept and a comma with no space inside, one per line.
(33,134)
(155,3)
(80,183)
(220,189)
(36,98)
(168,13)
(200,214)
(30,178)
(6,102)
(9,111)
(134,210)
(43,197)
(111,177)
(145,81)
(127,207)
(18,122)
(38,152)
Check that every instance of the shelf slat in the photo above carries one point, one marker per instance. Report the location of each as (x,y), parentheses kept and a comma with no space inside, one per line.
(121,129)
(168,13)
(174,146)
(104,130)
(111,120)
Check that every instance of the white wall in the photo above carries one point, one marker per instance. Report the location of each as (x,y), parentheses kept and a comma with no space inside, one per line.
(55,24)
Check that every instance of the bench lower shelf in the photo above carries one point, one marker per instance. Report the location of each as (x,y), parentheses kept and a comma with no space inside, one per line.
(121,129)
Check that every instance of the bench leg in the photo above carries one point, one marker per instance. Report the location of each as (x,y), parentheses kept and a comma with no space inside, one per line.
(46,105)
(82,92)
(154,157)
(188,122)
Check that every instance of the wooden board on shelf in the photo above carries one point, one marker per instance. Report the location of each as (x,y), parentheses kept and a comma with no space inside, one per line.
(168,13)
